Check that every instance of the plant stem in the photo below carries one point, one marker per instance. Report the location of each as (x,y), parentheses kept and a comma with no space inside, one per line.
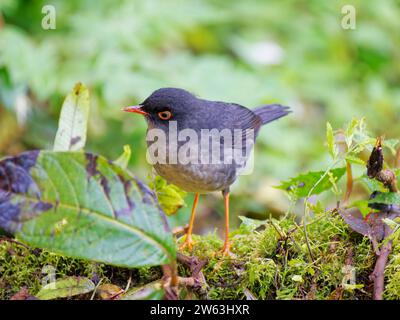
(349,185)
(378,275)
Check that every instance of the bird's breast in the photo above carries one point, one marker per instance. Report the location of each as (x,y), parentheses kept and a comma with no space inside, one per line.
(192,164)
(200,178)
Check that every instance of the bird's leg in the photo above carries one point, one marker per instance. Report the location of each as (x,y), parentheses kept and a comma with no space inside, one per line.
(227,245)
(188,238)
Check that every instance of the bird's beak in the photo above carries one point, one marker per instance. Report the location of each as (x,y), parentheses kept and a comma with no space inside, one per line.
(135,109)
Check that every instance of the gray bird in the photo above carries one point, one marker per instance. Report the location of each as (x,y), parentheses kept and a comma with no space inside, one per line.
(189,158)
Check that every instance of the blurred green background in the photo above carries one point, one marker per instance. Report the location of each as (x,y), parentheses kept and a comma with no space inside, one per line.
(251,52)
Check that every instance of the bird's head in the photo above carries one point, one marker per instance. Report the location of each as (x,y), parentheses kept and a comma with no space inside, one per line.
(164,105)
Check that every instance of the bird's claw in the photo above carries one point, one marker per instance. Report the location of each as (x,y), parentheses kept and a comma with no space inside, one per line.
(226,251)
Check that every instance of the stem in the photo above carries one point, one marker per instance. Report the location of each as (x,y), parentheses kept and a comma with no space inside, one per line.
(349,185)
(174,274)
(378,275)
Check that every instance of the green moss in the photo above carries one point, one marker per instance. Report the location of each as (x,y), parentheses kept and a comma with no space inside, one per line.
(24,267)
(261,274)
(269,262)
(273,262)
(392,271)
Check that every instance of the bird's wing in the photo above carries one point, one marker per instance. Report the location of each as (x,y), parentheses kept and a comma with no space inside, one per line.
(234,116)
(222,115)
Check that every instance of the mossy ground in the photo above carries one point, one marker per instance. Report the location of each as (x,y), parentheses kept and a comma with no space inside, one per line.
(273,262)
(21,266)
(270,262)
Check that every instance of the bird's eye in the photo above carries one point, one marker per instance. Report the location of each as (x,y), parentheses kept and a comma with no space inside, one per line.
(165,115)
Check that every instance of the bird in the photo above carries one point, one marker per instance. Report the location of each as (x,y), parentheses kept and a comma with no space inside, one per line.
(169,109)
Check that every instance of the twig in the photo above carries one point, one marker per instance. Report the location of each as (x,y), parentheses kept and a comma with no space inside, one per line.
(129,281)
(197,280)
(378,275)
(170,280)
(95,289)
(4,238)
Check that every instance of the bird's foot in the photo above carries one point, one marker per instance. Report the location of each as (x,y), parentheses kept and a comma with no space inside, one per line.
(226,250)
(187,244)
(226,254)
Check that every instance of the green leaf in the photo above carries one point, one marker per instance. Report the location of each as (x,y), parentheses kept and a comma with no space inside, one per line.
(249,224)
(150,291)
(385,199)
(391,144)
(362,205)
(82,205)
(64,288)
(362,145)
(124,158)
(72,125)
(171,198)
(330,138)
(352,287)
(355,160)
(350,130)
(372,184)
(302,185)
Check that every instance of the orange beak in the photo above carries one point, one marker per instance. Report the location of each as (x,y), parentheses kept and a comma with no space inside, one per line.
(135,109)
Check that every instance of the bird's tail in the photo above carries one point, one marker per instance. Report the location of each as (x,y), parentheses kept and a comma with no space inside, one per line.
(271,112)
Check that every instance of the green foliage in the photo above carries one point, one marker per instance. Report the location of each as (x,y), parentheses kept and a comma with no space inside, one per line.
(386,198)
(171,198)
(124,158)
(250,225)
(66,287)
(333,150)
(80,204)
(21,266)
(24,267)
(311,183)
(212,48)
(392,291)
(273,263)
(151,291)
(84,206)
(71,134)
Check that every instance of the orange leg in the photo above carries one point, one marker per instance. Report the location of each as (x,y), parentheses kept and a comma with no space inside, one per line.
(227,244)
(188,239)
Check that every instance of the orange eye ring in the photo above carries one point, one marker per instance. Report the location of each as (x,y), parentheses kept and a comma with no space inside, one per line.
(165,115)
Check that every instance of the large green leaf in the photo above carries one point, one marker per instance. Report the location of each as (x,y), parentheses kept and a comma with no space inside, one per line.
(82,205)
(72,126)
(313,182)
